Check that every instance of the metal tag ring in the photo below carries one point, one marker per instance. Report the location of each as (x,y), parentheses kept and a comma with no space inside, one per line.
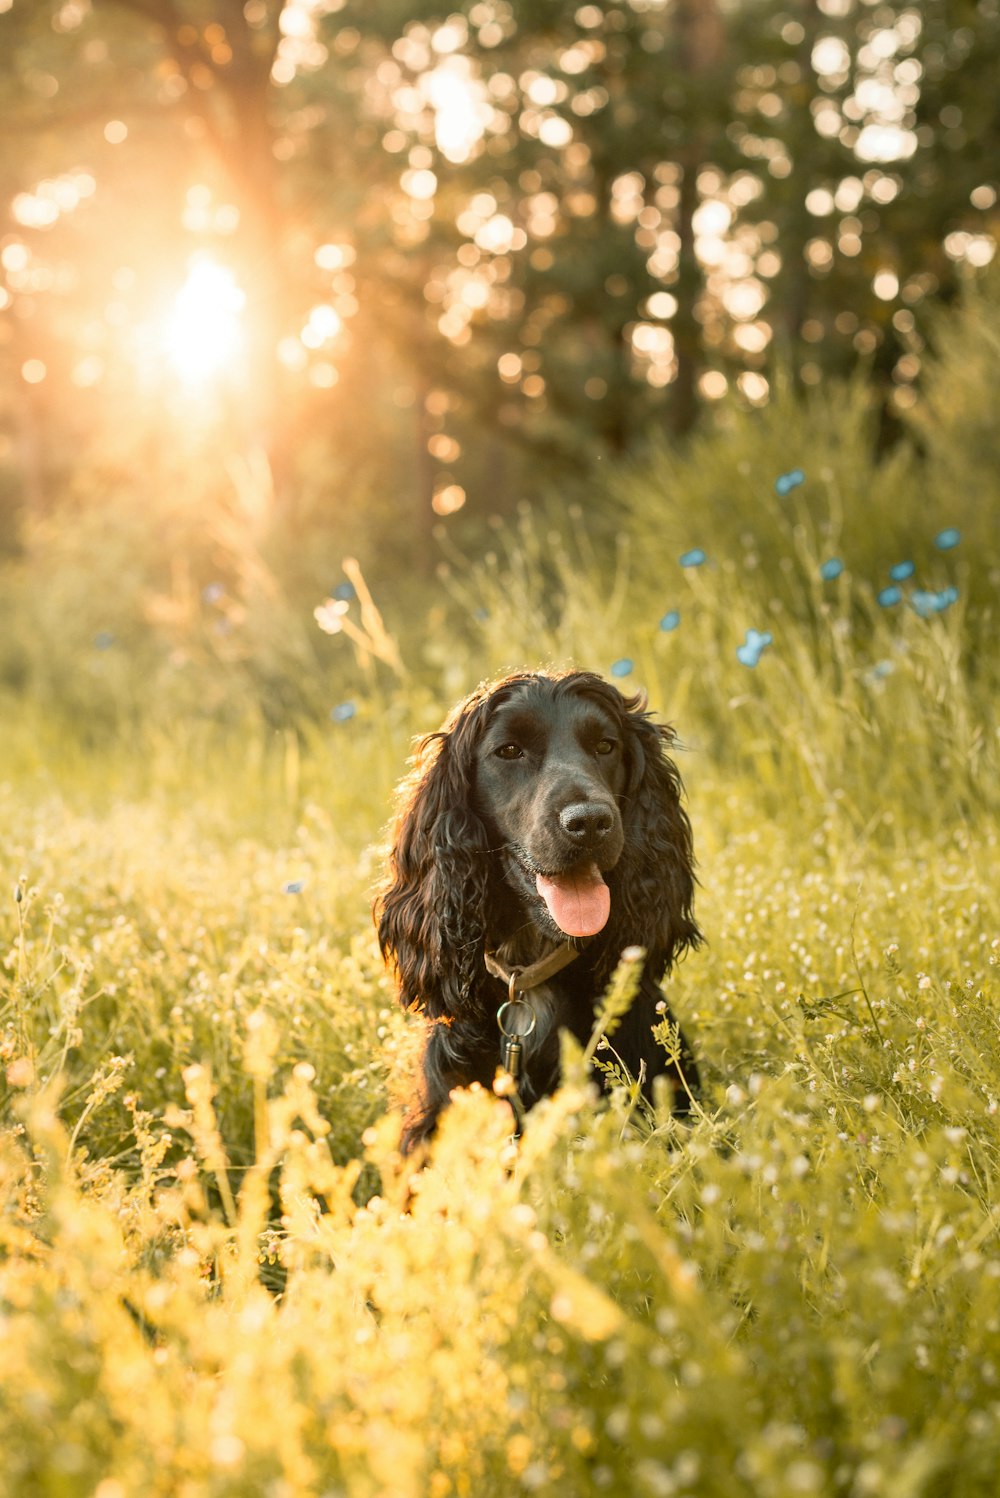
(503,1018)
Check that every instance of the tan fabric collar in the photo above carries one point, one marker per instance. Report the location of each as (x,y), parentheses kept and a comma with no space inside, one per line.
(523,979)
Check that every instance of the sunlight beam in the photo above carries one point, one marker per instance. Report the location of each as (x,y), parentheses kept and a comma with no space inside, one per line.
(203,334)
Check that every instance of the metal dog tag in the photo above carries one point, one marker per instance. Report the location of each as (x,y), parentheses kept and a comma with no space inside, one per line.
(516,1020)
(511,1058)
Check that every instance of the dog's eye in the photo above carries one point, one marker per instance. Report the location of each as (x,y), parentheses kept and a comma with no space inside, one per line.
(510,751)
(605,746)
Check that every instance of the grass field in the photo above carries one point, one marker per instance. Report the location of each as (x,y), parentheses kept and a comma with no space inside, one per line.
(218,1277)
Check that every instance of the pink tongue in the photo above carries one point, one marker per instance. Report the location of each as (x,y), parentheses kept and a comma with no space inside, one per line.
(578,902)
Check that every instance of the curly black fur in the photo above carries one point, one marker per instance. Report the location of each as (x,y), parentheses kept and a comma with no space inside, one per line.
(472,830)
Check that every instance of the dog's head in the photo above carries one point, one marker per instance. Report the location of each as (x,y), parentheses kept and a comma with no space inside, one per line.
(547,800)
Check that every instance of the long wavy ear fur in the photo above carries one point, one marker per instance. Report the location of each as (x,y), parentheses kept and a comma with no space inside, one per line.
(655,879)
(431,914)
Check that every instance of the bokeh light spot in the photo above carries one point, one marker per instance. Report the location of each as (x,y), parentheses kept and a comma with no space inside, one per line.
(448,499)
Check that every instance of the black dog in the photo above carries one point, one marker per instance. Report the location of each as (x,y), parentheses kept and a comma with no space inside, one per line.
(544,817)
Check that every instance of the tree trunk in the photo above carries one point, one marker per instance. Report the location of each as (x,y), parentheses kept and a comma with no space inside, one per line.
(701,41)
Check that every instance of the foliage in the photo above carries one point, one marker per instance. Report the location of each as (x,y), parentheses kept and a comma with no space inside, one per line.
(953,422)
(800,1294)
(162,617)
(217,1276)
(469,238)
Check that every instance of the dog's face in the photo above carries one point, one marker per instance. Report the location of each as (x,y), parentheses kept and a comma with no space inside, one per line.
(549,771)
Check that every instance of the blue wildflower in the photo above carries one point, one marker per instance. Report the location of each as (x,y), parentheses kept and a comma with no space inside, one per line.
(925,602)
(890,596)
(621,667)
(670,620)
(293,887)
(786,482)
(902,571)
(343,712)
(344,592)
(753,647)
(946,539)
(692,558)
(831,569)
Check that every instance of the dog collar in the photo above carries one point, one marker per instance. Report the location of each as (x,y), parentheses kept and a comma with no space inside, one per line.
(521,980)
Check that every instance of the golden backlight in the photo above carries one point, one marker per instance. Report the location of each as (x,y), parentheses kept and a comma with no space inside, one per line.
(203,334)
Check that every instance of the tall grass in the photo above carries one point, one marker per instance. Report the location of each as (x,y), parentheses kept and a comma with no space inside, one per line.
(853,705)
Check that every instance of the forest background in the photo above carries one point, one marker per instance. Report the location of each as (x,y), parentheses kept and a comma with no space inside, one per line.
(352,353)
(390,264)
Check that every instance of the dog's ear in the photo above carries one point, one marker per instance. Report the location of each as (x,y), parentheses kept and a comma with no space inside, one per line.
(655,876)
(431,913)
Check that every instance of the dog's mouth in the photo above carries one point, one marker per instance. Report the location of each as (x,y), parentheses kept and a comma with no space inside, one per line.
(577,899)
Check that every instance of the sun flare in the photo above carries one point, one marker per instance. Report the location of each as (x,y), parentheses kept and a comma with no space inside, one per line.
(204,331)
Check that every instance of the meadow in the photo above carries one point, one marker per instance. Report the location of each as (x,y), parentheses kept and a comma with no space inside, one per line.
(218,1277)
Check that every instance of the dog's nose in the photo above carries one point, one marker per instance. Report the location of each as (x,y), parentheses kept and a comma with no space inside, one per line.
(586,822)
